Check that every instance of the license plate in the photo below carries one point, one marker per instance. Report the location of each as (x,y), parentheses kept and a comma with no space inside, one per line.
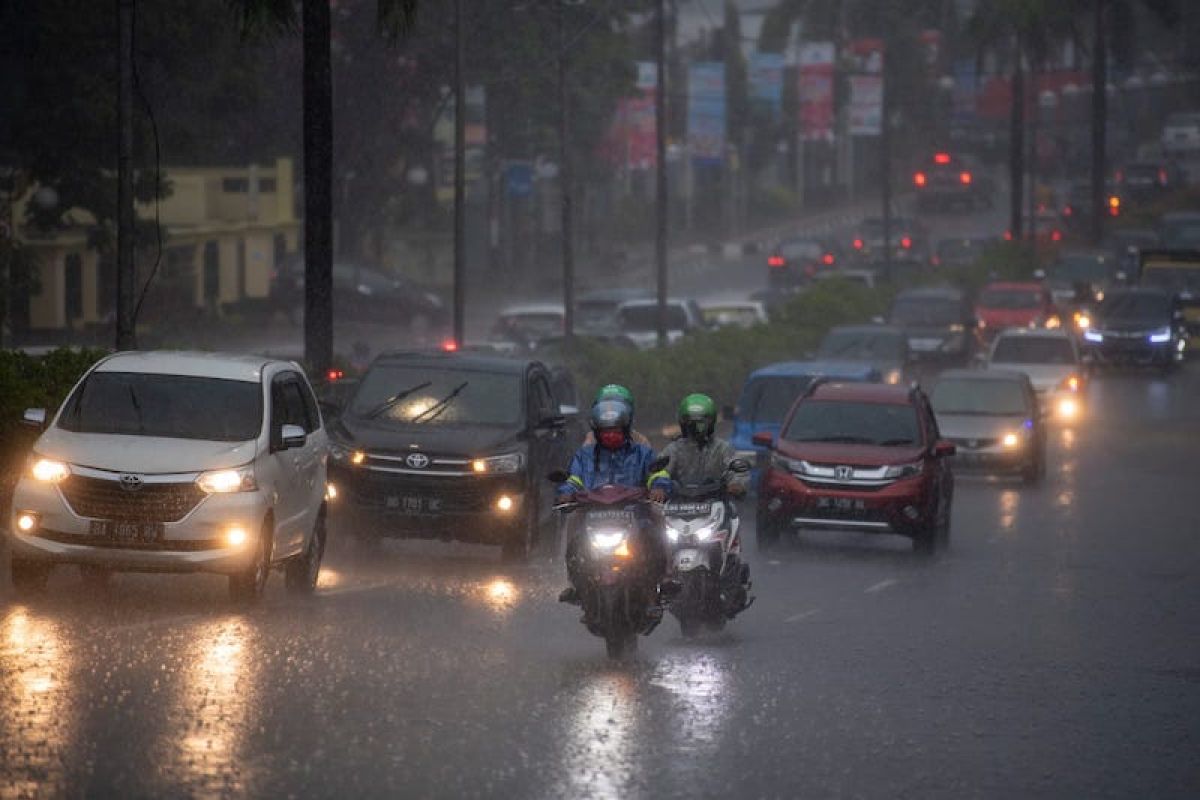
(925,344)
(413,505)
(841,503)
(127,532)
(687,509)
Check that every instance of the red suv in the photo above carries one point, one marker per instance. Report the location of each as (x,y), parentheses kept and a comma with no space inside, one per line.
(1015,305)
(862,457)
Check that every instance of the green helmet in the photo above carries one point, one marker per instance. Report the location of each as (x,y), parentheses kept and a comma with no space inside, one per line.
(697,417)
(615,391)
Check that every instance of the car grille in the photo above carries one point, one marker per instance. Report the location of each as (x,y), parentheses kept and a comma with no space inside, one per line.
(867,514)
(830,486)
(97,498)
(975,444)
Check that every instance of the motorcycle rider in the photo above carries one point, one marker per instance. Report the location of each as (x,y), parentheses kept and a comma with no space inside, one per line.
(613,458)
(615,391)
(699,456)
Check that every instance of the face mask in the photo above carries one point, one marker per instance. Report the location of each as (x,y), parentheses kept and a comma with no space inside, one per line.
(611,439)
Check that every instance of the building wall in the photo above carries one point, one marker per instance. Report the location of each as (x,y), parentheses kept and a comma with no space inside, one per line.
(46,308)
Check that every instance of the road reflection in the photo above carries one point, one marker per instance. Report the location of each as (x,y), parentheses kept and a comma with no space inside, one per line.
(35,706)
(601,740)
(1010,507)
(500,595)
(700,684)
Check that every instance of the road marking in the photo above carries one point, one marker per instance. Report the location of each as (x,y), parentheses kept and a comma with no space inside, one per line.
(801,615)
(879,587)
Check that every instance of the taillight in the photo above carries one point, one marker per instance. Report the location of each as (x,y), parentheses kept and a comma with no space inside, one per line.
(906,242)
(1056,235)
(1008,236)
(334,375)
(1114,206)
(919,179)
(828,259)
(1068,211)
(1162,177)
(941,158)
(776,261)
(858,244)
(965,178)
(450,346)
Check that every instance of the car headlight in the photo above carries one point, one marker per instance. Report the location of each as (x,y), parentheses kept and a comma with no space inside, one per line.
(1161,336)
(1053,322)
(1082,321)
(904,470)
(1011,440)
(1068,408)
(227,481)
(1093,336)
(499,465)
(791,465)
(1071,383)
(893,376)
(47,470)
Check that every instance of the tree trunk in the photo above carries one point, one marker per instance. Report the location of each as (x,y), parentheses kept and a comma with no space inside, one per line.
(1099,123)
(318,187)
(1016,148)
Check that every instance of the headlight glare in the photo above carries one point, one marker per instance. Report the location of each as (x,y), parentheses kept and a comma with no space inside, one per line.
(227,481)
(499,465)
(1161,336)
(47,470)
(606,539)
(1010,439)
(1093,336)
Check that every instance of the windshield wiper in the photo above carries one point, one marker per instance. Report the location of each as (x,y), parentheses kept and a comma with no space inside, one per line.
(396,398)
(839,439)
(137,406)
(435,410)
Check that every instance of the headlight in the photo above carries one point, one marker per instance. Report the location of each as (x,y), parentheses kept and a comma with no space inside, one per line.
(904,470)
(702,534)
(1071,383)
(47,470)
(785,463)
(226,481)
(606,540)
(1093,336)
(1068,408)
(893,376)
(1082,321)
(499,465)
(1053,322)
(1010,440)
(1161,336)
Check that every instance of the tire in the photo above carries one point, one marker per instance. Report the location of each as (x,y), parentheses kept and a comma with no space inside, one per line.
(935,537)
(303,570)
(517,548)
(689,627)
(247,587)
(30,576)
(95,579)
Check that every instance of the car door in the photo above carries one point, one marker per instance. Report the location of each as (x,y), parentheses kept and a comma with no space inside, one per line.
(546,442)
(287,408)
(313,456)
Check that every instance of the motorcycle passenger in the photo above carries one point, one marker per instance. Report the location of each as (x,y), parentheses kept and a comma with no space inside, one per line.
(615,391)
(614,459)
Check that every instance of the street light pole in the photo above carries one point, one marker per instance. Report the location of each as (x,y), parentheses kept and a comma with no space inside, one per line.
(126,336)
(660,132)
(460,165)
(564,181)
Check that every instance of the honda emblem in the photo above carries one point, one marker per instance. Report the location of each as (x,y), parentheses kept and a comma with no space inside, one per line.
(843,473)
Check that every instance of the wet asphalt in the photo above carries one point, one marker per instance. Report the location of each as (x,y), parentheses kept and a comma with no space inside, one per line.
(1052,652)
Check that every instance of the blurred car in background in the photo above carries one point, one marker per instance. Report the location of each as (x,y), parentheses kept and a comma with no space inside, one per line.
(525,325)
(1051,361)
(1181,133)
(993,420)
(1007,304)
(1146,181)
(939,323)
(883,347)
(960,251)
(1138,326)
(365,294)
(733,313)
(865,278)
(638,321)
(952,180)
(1076,213)
(1180,230)
(909,240)
(596,310)
(1080,278)
(1125,245)
(796,260)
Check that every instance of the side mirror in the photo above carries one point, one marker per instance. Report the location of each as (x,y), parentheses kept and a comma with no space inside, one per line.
(553,422)
(34,417)
(558,476)
(944,449)
(764,439)
(739,465)
(329,411)
(292,436)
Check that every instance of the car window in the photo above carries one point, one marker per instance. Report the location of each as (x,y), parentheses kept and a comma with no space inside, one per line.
(879,424)
(1010,299)
(767,400)
(1136,307)
(862,345)
(926,311)
(1033,350)
(643,318)
(801,248)
(287,405)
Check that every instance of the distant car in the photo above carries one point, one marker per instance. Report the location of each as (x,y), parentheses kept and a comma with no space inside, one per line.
(1125,244)
(939,324)
(858,457)
(866,278)
(741,314)
(1143,181)
(366,294)
(177,462)
(960,252)
(952,180)
(884,347)
(525,325)
(1180,230)
(1177,271)
(1080,277)
(1008,304)
(796,260)
(992,418)
(770,391)
(1075,216)
(638,321)
(1051,361)
(909,240)
(596,310)
(1143,326)
(447,445)
(1181,133)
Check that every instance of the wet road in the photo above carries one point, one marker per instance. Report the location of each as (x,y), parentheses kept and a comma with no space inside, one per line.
(1052,652)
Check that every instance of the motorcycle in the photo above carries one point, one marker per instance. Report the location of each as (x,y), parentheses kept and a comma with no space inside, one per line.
(614,578)
(712,581)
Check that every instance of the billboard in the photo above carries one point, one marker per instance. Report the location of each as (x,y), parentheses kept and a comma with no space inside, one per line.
(866,87)
(815,90)
(766,81)
(706,111)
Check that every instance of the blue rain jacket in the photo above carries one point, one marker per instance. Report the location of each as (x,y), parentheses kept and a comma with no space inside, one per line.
(629,466)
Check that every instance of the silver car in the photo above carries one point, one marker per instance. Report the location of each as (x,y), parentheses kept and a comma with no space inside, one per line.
(1052,362)
(992,417)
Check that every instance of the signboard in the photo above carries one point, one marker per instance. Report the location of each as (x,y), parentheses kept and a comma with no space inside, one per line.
(518,179)
(647,76)
(866,105)
(815,90)
(706,111)
(766,81)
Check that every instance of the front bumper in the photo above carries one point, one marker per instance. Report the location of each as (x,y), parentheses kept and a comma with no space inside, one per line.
(993,459)
(1139,351)
(900,507)
(196,543)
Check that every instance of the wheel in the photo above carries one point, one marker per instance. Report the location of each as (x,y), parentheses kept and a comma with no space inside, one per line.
(30,576)
(521,542)
(689,627)
(767,534)
(302,571)
(1032,475)
(95,579)
(247,587)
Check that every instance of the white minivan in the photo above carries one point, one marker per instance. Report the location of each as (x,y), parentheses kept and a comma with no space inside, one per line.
(177,462)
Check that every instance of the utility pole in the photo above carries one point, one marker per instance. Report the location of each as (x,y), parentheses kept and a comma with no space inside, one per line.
(660,133)
(460,168)
(1016,145)
(564,181)
(1099,123)
(885,155)
(126,277)
(318,190)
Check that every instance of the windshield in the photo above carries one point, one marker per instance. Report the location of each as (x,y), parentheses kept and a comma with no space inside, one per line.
(1033,350)
(1181,236)
(985,397)
(934,311)
(767,400)
(886,424)
(483,398)
(1175,279)
(1088,269)
(860,346)
(597,313)
(644,318)
(801,248)
(534,323)
(1136,307)
(169,406)
(1010,299)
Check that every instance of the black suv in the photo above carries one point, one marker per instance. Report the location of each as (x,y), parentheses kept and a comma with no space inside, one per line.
(939,323)
(454,446)
(1138,326)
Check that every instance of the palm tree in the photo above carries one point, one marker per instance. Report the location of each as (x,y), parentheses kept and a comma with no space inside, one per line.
(315,23)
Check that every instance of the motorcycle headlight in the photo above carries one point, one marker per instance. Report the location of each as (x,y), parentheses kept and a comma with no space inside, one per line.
(1161,336)
(499,465)
(47,470)
(705,533)
(904,470)
(606,540)
(227,481)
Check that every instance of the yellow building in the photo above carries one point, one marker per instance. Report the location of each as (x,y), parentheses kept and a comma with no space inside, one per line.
(224,231)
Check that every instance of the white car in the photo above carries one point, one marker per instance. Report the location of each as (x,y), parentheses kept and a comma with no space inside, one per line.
(637,321)
(738,313)
(1051,361)
(527,324)
(866,278)
(177,462)
(1181,133)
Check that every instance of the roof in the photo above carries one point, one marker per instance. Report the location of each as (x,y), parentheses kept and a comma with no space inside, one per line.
(1029,286)
(226,366)
(468,362)
(982,375)
(652,301)
(613,295)
(798,369)
(863,393)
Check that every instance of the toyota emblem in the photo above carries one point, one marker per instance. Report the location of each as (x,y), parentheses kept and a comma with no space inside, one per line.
(843,473)
(131,483)
(417,460)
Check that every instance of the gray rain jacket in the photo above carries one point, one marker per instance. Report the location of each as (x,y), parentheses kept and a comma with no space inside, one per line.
(691,463)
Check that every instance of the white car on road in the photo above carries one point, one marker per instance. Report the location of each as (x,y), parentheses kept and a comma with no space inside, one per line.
(1051,361)
(177,462)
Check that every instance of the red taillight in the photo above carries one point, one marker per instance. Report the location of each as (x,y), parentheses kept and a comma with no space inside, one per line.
(828,259)
(1056,235)
(858,244)
(906,242)
(450,346)
(1162,177)
(334,375)
(1114,206)
(776,261)
(1008,236)
(919,179)
(965,178)
(941,158)
(1068,211)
